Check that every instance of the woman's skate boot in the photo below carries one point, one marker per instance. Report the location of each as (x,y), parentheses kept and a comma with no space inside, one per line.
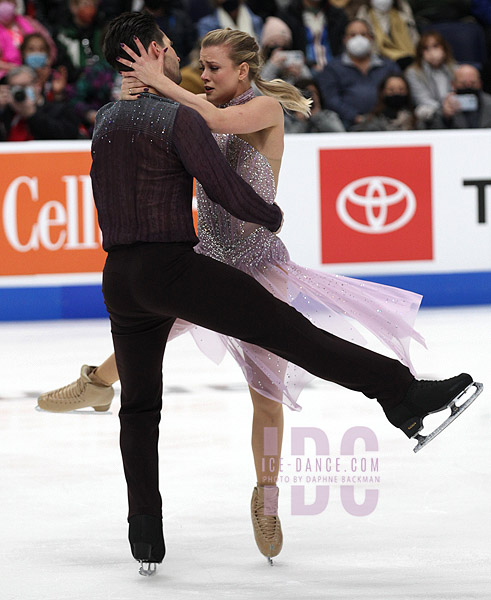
(265,521)
(147,542)
(87,391)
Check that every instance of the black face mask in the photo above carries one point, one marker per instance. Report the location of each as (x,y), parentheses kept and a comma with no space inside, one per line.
(397,101)
(467,91)
(230,5)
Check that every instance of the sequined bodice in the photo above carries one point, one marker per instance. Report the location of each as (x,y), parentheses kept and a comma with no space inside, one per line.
(225,237)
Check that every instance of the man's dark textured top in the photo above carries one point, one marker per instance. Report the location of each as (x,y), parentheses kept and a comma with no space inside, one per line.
(145,154)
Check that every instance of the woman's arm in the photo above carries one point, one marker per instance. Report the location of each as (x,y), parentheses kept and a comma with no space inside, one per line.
(260,113)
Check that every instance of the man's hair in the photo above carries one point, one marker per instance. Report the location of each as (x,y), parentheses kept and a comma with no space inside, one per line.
(122,29)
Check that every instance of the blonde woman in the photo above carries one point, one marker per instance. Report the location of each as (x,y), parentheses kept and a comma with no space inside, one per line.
(230,63)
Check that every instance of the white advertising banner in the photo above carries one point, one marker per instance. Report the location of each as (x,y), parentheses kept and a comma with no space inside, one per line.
(386,203)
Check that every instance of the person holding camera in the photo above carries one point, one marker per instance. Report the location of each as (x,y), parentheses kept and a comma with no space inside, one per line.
(26,115)
(280,61)
(466,106)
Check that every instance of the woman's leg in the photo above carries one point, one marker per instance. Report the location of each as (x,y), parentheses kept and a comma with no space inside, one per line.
(107,372)
(267,436)
(267,414)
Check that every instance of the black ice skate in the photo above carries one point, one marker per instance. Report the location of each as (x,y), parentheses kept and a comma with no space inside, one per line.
(426,397)
(147,542)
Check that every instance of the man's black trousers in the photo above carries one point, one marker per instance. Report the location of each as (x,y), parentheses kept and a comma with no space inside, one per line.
(147,286)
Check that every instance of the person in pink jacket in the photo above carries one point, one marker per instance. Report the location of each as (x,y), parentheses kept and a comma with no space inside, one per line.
(13,30)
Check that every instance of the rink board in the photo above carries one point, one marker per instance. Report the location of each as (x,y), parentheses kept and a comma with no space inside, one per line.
(410,210)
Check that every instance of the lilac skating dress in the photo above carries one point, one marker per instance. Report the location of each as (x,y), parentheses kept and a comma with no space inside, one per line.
(334,303)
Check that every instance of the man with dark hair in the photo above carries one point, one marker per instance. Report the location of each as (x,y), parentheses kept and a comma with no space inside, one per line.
(145,154)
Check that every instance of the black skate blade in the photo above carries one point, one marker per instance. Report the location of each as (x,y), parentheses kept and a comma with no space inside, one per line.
(424,440)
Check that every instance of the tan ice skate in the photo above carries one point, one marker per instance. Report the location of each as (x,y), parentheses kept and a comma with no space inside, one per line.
(86,391)
(267,527)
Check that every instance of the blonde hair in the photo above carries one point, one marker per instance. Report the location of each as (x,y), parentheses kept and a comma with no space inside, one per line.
(243,48)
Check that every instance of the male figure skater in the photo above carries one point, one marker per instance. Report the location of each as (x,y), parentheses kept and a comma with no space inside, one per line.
(145,154)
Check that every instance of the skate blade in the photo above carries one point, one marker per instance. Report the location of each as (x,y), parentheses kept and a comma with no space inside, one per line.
(424,440)
(270,561)
(147,569)
(78,411)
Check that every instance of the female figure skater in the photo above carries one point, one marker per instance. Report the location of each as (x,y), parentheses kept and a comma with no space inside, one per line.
(230,63)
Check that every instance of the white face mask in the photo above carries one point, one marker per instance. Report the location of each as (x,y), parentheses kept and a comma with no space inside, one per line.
(359,46)
(382,6)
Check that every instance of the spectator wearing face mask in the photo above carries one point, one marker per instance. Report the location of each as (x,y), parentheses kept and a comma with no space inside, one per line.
(234,14)
(430,77)
(26,115)
(394,29)
(466,106)
(35,53)
(13,30)
(394,110)
(280,61)
(349,84)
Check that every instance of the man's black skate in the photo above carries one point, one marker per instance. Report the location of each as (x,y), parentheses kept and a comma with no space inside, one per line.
(426,397)
(147,542)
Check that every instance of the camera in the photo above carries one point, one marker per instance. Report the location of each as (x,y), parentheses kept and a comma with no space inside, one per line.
(19,93)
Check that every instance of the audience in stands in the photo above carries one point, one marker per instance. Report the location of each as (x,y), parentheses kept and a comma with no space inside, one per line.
(349,84)
(393,27)
(234,14)
(79,36)
(26,114)
(351,50)
(466,106)
(13,30)
(317,29)
(394,110)
(428,12)
(35,53)
(430,77)
(321,120)
(280,61)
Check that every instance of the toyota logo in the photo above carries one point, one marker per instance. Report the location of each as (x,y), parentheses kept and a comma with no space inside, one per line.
(376,194)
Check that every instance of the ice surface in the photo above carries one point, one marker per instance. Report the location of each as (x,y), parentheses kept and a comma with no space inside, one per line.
(62,493)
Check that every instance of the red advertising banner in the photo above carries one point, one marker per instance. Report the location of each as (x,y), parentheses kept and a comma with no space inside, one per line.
(376,204)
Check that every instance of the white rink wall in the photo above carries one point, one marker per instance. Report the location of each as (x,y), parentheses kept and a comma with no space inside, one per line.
(410,210)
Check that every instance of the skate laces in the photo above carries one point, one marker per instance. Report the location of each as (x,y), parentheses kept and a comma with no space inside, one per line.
(267,524)
(72,390)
